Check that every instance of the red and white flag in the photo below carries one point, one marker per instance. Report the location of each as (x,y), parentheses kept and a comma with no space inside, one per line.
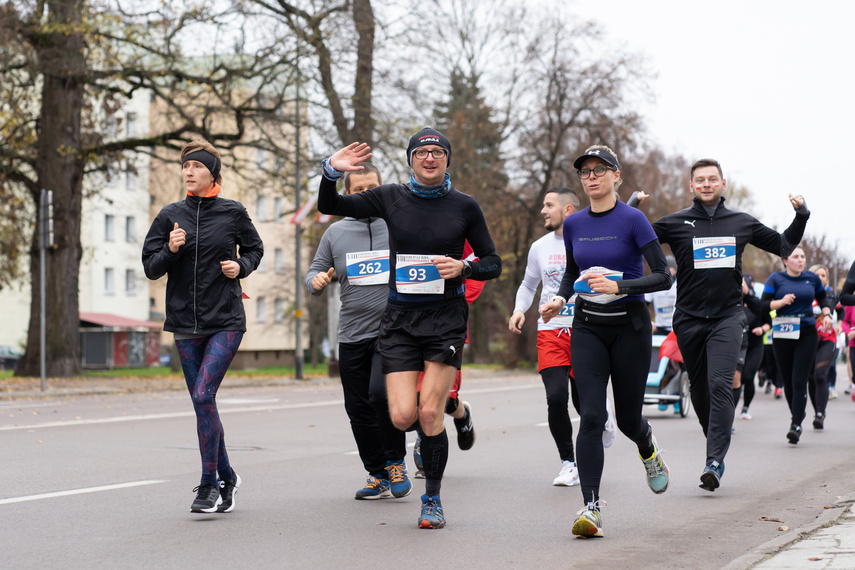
(304,210)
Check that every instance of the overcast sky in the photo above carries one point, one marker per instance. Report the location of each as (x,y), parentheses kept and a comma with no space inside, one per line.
(764,87)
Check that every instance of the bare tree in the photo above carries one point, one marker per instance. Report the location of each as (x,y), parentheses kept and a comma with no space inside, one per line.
(66,68)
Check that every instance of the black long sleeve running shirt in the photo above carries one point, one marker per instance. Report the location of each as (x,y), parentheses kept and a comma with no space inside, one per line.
(717,292)
(421,226)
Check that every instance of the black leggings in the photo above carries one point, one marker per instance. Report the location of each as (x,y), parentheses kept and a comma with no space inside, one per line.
(795,360)
(364,388)
(818,379)
(559,385)
(753,357)
(600,351)
(770,367)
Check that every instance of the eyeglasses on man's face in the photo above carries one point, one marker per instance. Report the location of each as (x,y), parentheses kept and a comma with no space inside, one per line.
(598,171)
(437,153)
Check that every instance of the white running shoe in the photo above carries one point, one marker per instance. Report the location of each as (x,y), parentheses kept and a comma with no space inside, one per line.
(849,389)
(745,415)
(568,476)
(832,394)
(610,428)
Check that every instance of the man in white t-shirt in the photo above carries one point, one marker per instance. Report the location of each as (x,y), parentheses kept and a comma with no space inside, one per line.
(547,259)
(663,302)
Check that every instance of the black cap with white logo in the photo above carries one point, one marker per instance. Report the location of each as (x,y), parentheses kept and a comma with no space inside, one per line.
(425,137)
(600,153)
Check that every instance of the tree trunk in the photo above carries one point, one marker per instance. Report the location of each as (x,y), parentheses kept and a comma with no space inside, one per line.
(60,168)
(363,119)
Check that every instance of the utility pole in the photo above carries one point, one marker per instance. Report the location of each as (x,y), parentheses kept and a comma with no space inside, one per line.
(46,240)
(298,282)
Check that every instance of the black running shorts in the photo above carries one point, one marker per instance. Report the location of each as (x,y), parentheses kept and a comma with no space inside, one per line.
(410,337)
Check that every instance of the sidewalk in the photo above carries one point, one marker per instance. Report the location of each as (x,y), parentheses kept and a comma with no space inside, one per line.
(827,543)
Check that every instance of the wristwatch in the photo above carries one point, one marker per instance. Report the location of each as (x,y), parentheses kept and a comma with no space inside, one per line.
(467,269)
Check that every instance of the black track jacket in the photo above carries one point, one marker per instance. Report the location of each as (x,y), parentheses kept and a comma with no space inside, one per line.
(715,293)
(199,298)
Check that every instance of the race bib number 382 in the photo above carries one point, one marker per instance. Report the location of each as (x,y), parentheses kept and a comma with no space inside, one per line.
(714,252)
(368,267)
(415,274)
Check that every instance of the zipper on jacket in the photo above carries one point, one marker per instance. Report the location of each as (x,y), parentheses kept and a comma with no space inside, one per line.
(370,237)
(196,267)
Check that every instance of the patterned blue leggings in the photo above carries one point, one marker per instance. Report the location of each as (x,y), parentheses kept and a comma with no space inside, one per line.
(205,362)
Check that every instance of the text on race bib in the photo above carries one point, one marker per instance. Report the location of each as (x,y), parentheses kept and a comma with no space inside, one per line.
(415,274)
(786,327)
(565,317)
(368,267)
(714,252)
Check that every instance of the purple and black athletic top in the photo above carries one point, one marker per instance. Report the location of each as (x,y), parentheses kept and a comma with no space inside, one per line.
(617,239)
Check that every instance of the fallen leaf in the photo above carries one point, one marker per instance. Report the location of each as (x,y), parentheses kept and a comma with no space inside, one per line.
(379,524)
(783,528)
(814,558)
(770,519)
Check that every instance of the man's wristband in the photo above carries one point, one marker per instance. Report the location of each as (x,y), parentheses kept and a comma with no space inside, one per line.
(558,298)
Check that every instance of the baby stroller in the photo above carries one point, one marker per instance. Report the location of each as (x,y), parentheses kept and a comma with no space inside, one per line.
(667,382)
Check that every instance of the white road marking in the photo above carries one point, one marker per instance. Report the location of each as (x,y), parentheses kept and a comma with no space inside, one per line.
(16,405)
(147,417)
(191,413)
(77,492)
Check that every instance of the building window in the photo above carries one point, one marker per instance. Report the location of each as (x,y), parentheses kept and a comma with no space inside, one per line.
(279,310)
(261,158)
(131,124)
(278,260)
(277,208)
(109,281)
(261,208)
(262,265)
(260,310)
(130,282)
(130,229)
(109,228)
(131,177)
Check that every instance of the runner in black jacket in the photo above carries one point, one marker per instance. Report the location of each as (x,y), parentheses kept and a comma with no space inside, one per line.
(205,244)
(424,325)
(707,240)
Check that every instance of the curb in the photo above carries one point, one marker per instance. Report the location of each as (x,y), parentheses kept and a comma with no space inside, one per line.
(828,517)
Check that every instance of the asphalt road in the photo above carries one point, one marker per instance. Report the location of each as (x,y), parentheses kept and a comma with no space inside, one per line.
(105,481)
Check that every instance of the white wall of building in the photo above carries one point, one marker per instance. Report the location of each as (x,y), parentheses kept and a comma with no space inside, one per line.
(114,222)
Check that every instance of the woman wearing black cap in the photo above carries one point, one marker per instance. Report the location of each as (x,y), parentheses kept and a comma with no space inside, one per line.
(424,325)
(611,327)
(205,244)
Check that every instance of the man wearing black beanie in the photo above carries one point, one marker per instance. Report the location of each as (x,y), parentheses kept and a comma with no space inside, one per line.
(425,322)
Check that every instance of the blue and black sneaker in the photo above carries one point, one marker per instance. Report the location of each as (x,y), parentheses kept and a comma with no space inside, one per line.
(711,477)
(432,515)
(375,488)
(400,484)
